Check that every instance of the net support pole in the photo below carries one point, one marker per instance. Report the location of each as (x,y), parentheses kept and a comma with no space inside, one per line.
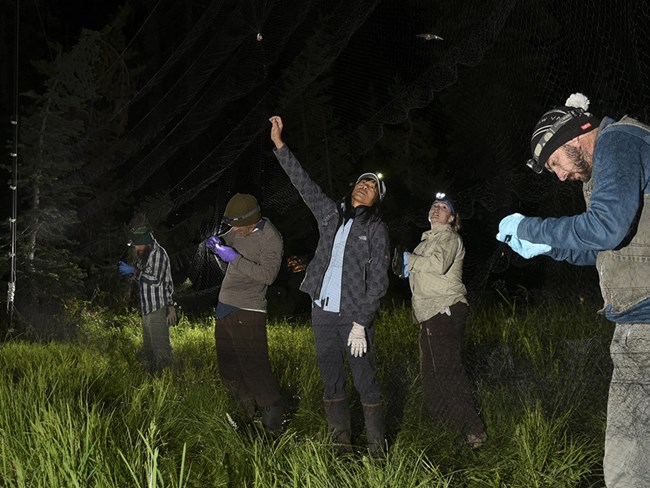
(13,186)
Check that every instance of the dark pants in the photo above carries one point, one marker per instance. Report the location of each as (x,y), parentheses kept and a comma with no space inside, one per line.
(447,389)
(331,333)
(243,357)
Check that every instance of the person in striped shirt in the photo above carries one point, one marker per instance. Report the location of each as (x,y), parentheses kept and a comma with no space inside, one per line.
(152,273)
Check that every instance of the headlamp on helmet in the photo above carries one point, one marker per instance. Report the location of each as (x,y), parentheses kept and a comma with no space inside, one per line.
(442,197)
(378,179)
(557,127)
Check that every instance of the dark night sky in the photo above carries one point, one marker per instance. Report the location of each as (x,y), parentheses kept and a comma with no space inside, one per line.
(359,91)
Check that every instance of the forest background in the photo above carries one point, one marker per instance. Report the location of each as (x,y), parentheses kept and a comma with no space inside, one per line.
(158,110)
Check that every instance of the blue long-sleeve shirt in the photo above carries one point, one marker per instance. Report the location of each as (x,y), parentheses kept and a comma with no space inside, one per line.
(330,292)
(621,173)
(614,231)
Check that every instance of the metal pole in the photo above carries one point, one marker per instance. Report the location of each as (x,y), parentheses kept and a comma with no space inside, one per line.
(11,286)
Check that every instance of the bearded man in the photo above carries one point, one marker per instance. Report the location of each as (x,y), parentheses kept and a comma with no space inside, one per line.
(612,160)
(152,273)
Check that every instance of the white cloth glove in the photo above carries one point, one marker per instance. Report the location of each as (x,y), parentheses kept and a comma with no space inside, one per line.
(357,340)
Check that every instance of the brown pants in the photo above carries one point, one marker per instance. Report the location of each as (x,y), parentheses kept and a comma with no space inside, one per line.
(447,389)
(243,357)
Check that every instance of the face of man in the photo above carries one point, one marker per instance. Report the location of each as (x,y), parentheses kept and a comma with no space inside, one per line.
(365,193)
(142,251)
(440,214)
(571,162)
(244,230)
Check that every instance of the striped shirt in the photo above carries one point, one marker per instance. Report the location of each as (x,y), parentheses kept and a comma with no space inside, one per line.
(155,281)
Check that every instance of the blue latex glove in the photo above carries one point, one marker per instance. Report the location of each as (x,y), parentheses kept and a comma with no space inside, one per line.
(508,226)
(226,253)
(406,265)
(126,269)
(525,249)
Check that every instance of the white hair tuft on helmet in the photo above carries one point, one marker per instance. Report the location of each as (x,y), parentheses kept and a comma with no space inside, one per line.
(578,100)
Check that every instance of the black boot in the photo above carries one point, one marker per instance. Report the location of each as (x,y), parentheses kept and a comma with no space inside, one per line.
(272,418)
(338,420)
(374,418)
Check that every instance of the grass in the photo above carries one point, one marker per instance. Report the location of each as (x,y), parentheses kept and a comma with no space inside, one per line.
(86,414)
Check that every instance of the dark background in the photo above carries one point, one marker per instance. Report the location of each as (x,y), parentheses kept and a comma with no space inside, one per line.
(180,124)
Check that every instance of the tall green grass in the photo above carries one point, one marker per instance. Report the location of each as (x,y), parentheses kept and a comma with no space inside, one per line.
(86,414)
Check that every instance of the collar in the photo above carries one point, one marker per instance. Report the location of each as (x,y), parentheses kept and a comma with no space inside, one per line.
(260,225)
(437,230)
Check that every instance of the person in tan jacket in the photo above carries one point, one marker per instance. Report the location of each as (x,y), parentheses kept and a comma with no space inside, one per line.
(253,250)
(435,273)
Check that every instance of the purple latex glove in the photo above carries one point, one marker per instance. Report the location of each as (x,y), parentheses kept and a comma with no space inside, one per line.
(212,243)
(226,253)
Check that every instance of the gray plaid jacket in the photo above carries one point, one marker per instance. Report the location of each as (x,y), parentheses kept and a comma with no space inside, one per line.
(367,250)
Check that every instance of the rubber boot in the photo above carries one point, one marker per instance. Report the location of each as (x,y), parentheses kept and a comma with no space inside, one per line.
(374,419)
(337,413)
(272,418)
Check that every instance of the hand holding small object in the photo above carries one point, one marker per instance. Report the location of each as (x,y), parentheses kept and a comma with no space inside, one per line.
(524,248)
(508,226)
(212,243)
(125,269)
(226,253)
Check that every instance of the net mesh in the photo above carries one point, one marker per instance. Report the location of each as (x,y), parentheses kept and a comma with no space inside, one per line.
(435,96)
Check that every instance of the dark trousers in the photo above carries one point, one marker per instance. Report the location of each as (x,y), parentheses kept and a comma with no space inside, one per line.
(447,389)
(243,357)
(331,333)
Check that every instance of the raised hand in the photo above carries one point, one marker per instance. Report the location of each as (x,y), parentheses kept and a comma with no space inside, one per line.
(276,131)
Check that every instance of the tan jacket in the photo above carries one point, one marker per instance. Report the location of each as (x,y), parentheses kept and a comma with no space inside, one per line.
(436,272)
(256,267)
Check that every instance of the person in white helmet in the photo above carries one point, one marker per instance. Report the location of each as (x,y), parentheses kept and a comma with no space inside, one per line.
(346,280)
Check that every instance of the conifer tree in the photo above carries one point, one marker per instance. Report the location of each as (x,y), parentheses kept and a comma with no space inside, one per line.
(68,140)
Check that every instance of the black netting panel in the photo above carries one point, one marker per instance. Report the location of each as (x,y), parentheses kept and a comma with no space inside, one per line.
(436,95)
